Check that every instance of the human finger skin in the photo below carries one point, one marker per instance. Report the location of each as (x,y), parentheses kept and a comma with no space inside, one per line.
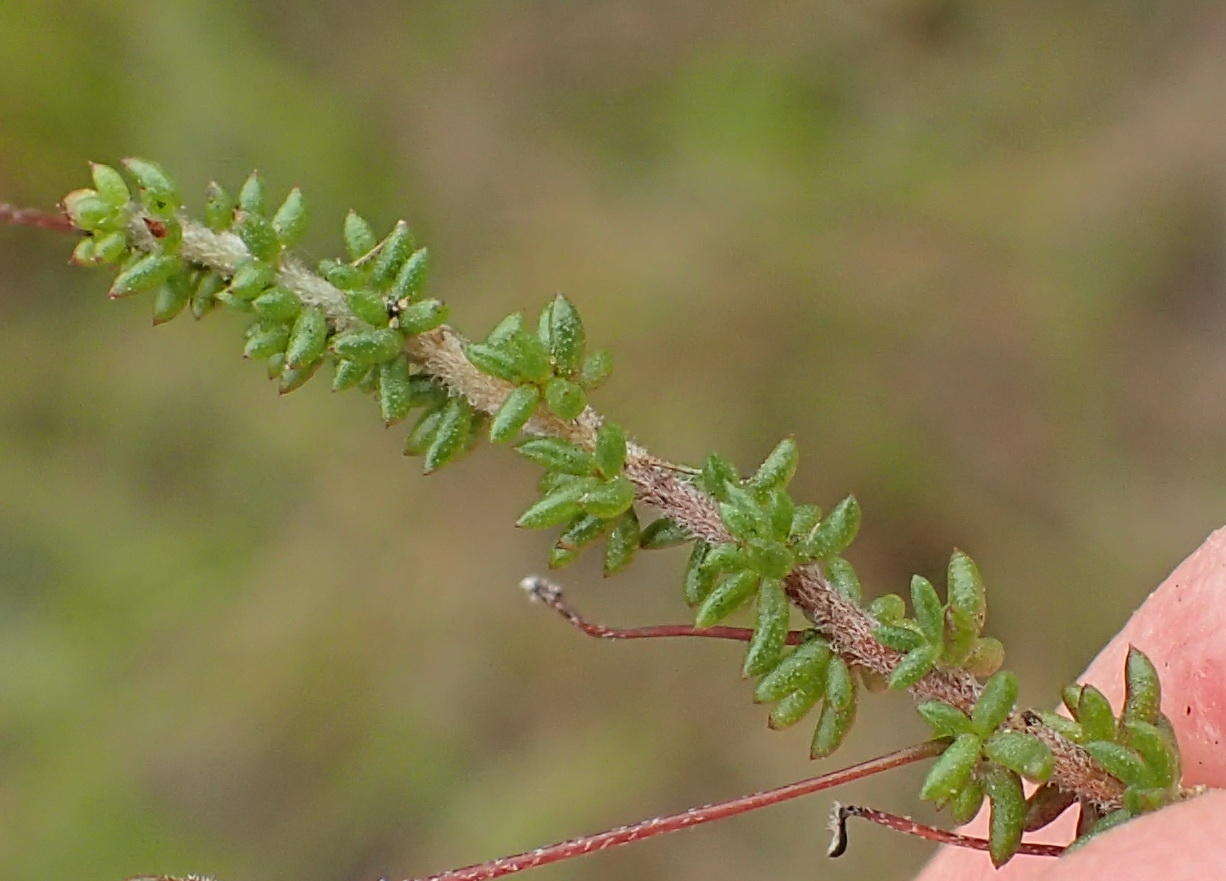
(1181,626)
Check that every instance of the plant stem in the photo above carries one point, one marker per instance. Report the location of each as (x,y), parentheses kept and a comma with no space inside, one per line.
(658,483)
(544,591)
(694,816)
(54,221)
(838,826)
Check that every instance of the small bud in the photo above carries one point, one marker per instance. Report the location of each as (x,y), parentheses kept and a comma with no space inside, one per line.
(307,338)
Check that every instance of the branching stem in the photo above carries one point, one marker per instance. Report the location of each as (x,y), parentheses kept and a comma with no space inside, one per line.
(545,591)
(694,816)
(838,828)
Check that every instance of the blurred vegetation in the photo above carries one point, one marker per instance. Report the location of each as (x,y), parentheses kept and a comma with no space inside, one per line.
(970,254)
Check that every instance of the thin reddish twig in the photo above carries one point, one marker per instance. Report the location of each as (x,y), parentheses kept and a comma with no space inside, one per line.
(551,595)
(52,220)
(694,816)
(838,827)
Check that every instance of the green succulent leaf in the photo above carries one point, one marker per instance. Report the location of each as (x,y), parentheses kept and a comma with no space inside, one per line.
(557,455)
(835,532)
(664,532)
(804,668)
(1008,813)
(766,647)
(995,703)
(952,769)
(777,469)
(1021,752)
(945,719)
(729,595)
(514,413)
(622,544)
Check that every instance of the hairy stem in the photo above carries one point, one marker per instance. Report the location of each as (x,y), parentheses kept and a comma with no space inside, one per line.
(658,483)
(838,828)
(693,817)
(545,591)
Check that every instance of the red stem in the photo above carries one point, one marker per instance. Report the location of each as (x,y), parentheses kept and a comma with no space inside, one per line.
(551,595)
(659,825)
(838,822)
(55,221)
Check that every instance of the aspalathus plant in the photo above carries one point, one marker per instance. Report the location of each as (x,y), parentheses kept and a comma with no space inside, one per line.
(751,545)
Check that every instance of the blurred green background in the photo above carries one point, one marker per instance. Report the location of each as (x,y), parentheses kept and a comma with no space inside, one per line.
(970,254)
